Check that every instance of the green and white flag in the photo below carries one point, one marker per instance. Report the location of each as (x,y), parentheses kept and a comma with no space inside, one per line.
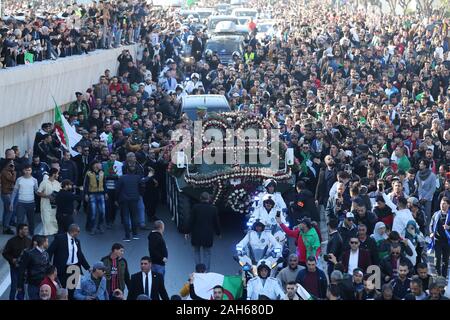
(28,57)
(205,282)
(66,134)
(303,293)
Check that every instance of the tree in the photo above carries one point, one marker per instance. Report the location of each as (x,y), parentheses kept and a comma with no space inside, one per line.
(392,5)
(425,7)
(404,4)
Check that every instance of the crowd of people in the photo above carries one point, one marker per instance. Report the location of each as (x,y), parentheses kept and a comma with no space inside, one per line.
(363,99)
(54,29)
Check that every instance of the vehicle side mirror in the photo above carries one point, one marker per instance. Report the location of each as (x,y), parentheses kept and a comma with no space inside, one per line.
(181,163)
(290,156)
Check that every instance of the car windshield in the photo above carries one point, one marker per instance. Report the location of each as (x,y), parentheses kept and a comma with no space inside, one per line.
(264,27)
(192,112)
(223,46)
(204,14)
(214,23)
(245,14)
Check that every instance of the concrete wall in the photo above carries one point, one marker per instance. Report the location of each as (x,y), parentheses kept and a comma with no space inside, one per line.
(26,92)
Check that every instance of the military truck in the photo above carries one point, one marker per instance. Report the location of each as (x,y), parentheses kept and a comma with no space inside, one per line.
(232,185)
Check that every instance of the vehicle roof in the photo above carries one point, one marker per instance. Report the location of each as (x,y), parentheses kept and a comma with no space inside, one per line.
(223,37)
(224,17)
(205,9)
(245,9)
(211,100)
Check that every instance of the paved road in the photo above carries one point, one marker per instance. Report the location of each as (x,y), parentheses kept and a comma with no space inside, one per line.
(181,262)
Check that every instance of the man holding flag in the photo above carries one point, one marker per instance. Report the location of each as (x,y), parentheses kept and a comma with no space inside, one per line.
(66,134)
(440,236)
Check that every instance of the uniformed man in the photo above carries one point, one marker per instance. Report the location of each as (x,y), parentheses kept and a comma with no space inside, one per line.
(263,284)
(79,105)
(268,211)
(201,113)
(259,244)
(270,185)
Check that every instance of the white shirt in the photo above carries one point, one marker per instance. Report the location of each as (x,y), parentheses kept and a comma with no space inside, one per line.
(353,261)
(149,283)
(271,288)
(69,246)
(401,219)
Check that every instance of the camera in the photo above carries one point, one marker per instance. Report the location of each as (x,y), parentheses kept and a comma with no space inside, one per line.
(278,214)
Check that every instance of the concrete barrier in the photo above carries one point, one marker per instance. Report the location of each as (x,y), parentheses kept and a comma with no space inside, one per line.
(26,91)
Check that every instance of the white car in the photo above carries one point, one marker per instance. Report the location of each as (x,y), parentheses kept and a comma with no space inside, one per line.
(245,12)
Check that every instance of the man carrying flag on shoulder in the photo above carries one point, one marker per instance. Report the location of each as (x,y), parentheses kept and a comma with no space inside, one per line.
(440,236)
(66,134)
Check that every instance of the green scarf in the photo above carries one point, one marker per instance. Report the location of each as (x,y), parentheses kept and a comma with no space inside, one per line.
(404,164)
(306,156)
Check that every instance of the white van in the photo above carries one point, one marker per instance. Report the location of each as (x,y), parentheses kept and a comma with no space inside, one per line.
(245,12)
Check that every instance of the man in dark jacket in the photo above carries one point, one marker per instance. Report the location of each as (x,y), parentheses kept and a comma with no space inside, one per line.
(68,168)
(362,215)
(368,243)
(356,257)
(204,222)
(313,279)
(304,205)
(334,245)
(197,47)
(157,248)
(390,265)
(127,191)
(117,274)
(12,252)
(33,266)
(327,177)
(147,282)
(64,205)
(66,253)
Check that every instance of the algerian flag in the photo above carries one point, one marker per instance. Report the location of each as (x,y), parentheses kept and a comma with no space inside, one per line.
(65,132)
(303,293)
(420,96)
(205,282)
(29,58)
(190,3)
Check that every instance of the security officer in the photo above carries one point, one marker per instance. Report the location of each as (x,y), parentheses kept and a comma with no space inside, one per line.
(260,243)
(270,185)
(249,55)
(201,113)
(268,211)
(263,284)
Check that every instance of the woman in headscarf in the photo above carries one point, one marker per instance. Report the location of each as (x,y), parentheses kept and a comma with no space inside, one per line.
(412,233)
(380,236)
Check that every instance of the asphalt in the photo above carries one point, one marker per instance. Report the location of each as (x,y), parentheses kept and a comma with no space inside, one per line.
(180,263)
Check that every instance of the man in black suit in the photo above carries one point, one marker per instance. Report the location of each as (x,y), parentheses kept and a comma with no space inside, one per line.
(197,46)
(147,282)
(65,251)
(204,222)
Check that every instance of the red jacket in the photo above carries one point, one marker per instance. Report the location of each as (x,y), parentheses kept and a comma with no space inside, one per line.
(301,249)
(49,281)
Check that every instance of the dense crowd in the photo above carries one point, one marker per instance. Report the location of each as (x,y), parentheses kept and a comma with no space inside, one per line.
(363,100)
(54,29)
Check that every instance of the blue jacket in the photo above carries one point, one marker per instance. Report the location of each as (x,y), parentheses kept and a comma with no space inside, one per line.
(88,288)
(322,281)
(127,188)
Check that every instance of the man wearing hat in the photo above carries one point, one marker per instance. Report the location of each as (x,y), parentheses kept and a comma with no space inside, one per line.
(194,83)
(93,285)
(256,241)
(348,229)
(264,284)
(201,113)
(79,105)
